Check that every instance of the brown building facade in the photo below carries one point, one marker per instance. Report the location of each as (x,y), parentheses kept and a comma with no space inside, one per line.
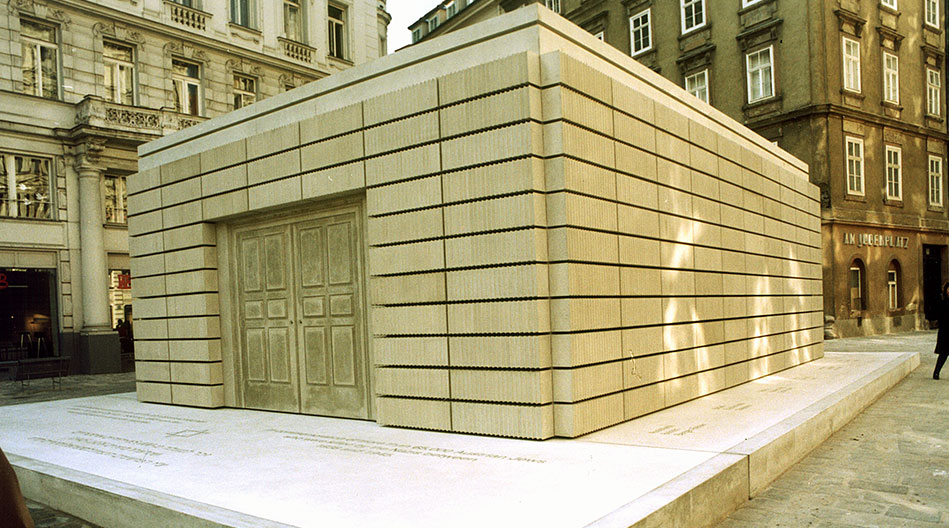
(854,88)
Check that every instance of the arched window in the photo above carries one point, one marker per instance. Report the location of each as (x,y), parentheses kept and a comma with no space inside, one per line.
(893,279)
(858,286)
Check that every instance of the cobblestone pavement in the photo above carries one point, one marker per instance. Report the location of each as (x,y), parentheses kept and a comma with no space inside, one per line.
(888,467)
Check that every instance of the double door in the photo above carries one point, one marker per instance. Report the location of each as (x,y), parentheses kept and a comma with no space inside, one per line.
(301,317)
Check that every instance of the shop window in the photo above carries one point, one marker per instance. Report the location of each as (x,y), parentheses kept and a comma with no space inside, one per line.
(697,85)
(25,187)
(120,296)
(245,91)
(293,20)
(858,287)
(40,61)
(119,73)
(27,318)
(186,79)
(116,210)
(337,31)
(893,286)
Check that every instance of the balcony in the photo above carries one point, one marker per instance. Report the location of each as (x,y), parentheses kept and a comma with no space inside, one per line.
(297,51)
(96,112)
(187,16)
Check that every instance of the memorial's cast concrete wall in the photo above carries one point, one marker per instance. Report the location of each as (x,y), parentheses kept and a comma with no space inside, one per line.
(549,239)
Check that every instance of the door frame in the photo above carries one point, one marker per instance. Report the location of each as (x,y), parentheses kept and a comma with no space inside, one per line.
(227,257)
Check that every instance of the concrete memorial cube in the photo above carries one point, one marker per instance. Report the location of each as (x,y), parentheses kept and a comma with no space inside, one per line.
(511,230)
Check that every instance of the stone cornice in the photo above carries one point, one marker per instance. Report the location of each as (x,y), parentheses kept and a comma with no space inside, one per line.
(834,109)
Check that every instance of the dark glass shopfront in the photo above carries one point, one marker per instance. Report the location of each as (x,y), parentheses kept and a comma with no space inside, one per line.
(27,313)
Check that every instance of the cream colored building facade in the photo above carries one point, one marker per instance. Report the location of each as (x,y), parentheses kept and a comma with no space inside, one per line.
(82,84)
(514,230)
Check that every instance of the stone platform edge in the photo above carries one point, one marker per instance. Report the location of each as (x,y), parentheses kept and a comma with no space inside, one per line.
(700,497)
(705,495)
(109,503)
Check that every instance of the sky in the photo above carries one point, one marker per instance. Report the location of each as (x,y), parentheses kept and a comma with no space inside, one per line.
(404,12)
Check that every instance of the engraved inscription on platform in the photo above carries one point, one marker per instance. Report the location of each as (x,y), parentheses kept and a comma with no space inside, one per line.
(388,449)
(119,448)
(127,416)
(673,430)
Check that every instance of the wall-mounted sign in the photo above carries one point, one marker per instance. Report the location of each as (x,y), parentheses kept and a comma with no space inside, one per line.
(871,240)
(124,282)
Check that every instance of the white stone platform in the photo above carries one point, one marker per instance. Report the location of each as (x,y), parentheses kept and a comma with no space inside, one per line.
(117,462)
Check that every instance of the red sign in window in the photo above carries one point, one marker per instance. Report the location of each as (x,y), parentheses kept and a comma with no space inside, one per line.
(125,282)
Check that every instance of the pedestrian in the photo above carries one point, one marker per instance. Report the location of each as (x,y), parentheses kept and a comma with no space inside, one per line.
(13,510)
(942,337)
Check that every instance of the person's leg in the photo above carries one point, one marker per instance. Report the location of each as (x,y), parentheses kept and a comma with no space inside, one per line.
(940,361)
(13,510)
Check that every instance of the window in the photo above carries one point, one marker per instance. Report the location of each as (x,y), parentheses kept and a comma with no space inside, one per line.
(186,78)
(25,187)
(120,296)
(553,5)
(933,86)
(760,75)
(416,35)
(935,181)
(119,73)
(858,290)
(855,166)
(188,3)
(894,173)
(293,20)
(40,49)
(851,65)
(116,210)
(245,91)
(451,10)
(640,28)
(337,32)
(693,14)
(432,23)
(242,12)
(746,3)
(932,13)
(697,85)
(893,286)
(889,3)
(891,78)
(599,35)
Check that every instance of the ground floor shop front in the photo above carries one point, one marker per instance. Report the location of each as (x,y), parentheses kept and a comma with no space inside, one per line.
(881,279)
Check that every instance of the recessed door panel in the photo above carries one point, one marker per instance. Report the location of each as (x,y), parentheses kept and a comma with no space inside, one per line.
(268,341)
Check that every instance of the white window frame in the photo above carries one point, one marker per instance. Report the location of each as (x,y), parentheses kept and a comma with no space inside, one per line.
(244,15)
(37,45)
(647,14)
(695,6)
(183,82)
(416,34)
(432,23)
(749,74)
(891,78)
(338,46)
(893,289)
(746,3)
(294,31)
(932,13)
(692,86)
(851,64)
(117,66)
(451,9)
(855,275)
(117,206)
(854,160)
(893,157)
(246,97)
(553,5)
(933,90)
(935,181)
(889,3)
(599,35)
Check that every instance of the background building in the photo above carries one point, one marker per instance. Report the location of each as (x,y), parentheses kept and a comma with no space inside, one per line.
(82,84)
(855,89)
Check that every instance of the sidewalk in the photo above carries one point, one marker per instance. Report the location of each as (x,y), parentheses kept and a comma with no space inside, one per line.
(888,467)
